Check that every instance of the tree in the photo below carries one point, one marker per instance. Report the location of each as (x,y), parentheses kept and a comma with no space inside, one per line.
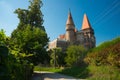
(32,15)
(30,37)
(57,57)
(75,55)
(3,38)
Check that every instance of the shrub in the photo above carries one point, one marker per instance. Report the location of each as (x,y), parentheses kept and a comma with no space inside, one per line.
(108,54)
(13,69)
(75,55)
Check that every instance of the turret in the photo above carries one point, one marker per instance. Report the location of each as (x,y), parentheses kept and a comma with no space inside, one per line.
(87,29)
(70,28)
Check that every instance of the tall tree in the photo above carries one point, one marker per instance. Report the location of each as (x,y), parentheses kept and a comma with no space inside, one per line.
(32,15)
(35,17)
(30,36)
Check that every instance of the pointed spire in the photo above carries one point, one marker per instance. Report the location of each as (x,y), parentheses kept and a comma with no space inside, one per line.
(70,20)
(85,24)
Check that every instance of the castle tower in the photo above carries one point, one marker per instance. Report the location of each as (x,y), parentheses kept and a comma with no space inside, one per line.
(70,29)
(90,41)
(84,37)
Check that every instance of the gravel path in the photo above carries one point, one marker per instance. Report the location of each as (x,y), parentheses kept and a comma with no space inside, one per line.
(51,76)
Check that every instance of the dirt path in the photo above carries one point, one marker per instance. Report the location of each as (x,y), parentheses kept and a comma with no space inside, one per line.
(51,76)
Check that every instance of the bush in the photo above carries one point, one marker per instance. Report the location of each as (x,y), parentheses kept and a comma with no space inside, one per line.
(108,54)
(13,69)
(75,55)
(103,73)
(3,63)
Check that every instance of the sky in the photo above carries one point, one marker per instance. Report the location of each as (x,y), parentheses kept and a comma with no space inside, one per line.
(104,16)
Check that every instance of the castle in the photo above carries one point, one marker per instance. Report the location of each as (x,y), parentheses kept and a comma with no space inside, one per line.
(84,37)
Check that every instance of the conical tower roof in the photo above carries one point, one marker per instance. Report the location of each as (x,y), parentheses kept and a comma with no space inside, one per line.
(86,24)
(69,20)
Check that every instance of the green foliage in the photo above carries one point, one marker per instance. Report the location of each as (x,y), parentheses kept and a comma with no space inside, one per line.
(106,44)
(57,57)
(103,73)
(32,16)
(3,38)
(3,62)
(12,68)
(2,35)
(30,42)
(30,36)
(26,45)
(107,53)
(75,55)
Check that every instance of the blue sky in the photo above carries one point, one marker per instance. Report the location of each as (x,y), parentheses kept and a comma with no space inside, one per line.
(104,16)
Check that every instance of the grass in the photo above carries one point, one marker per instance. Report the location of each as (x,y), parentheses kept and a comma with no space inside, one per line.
(78,72)
(104,73)
(90,72)
(50,69)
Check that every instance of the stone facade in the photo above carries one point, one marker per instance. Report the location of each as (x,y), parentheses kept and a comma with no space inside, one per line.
(84,37)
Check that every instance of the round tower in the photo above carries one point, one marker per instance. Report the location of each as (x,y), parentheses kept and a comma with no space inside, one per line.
(70,29)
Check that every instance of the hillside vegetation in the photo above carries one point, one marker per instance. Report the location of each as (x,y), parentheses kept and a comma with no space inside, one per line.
(104,61)
(108,53)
